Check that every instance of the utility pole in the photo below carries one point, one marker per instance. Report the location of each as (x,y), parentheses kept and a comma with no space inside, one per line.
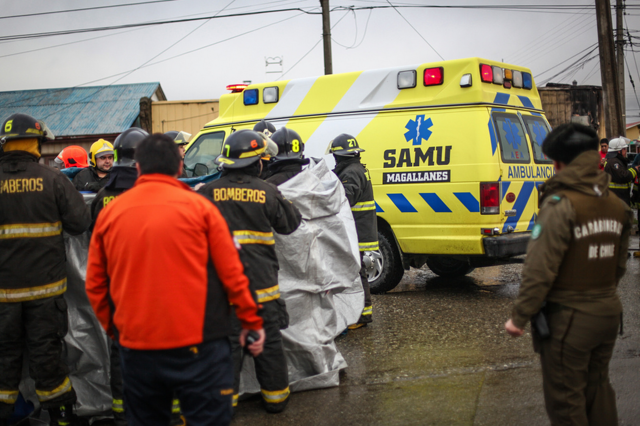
(609,71)
(326,36)
(620,58)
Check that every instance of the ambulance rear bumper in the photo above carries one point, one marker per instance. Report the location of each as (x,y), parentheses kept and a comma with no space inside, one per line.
(506,245)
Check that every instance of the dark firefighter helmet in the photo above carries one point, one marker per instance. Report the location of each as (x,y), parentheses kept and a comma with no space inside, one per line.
(23,126)
(265,128)
(180,138)
(290,144)
(125,146)
(242,148)
(344,145)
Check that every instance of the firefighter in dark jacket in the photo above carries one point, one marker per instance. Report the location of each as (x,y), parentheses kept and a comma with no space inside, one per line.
(93,178)
(576,257)
(617,166)
(267,129)
(36,204)
(123,174)
(359,191)
(253,209)
(289,160)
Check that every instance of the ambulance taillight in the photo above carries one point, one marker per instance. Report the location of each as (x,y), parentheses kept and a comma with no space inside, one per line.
(433,76)
(490,198)
(237,88)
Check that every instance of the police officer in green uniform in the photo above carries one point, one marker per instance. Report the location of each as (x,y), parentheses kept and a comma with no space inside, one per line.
(359,191)
(575,259)
(253,209)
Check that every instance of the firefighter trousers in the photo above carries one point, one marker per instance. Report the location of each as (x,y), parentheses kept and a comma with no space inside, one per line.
(367,312)
(575,368)
(271,364)
(39,326)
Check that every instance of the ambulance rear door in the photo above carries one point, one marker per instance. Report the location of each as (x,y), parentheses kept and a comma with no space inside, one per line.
(523,167)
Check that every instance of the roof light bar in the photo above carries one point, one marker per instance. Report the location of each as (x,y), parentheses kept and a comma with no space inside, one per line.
(498,78)
(237,88)
(250,97)
(517,79)
(433,76)
(407,79)
(486,73)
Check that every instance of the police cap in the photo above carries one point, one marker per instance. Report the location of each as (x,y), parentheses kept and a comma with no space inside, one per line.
(567,141)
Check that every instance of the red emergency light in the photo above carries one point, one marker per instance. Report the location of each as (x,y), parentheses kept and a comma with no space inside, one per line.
(486,73)
(433,76)
(237,88)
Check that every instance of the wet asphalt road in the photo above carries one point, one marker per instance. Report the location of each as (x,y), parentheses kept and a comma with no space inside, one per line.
(437,354)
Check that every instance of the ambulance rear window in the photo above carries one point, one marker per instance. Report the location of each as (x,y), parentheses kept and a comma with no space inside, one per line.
(204,151)
(513,142)
(538,130)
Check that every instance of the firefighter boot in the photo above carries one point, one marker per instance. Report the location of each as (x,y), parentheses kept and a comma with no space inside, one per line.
(61,416)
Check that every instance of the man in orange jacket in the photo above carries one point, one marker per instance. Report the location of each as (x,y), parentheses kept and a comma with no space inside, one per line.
(162,270)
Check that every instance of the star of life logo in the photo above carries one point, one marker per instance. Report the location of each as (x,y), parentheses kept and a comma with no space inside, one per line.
(418,129)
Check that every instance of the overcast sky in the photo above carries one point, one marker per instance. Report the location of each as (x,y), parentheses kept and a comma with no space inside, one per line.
(233,49)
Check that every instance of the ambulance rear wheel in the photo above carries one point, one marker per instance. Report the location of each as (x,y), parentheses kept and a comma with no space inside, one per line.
(390,266)
(449,266)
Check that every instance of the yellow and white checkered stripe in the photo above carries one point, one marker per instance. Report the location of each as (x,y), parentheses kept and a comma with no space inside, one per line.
(369,246)
(30,230)
(60,390)
(254,237)
(175,406)
(275,397)
(33,293)
(9,397)
(368,310)
(268,294)
(619,185)
(117,406)
(364,206)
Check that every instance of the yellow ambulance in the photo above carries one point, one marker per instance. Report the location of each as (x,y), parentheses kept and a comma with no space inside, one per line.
(453,149)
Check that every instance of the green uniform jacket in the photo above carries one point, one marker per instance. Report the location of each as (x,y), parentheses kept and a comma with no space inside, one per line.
(551,240)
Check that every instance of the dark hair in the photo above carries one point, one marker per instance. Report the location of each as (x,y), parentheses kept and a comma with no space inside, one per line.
(604,140)
(158,154)
(567,141)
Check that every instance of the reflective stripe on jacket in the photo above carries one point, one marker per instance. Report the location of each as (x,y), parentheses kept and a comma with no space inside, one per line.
(359,191)
(37,203)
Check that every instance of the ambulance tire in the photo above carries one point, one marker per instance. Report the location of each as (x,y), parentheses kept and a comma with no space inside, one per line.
(392,270)
(445,266)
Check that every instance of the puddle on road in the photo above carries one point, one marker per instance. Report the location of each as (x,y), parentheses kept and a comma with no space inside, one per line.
(503,280)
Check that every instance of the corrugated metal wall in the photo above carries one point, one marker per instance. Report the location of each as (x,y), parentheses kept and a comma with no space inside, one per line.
(188,116)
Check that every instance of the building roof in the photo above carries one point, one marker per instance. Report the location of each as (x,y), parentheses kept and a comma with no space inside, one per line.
(77,111)
(634,124)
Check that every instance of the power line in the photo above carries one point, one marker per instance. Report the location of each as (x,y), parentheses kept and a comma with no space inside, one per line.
(592,47)
(28,15)
(148,24)
(551,38)
(311,50)
(414,29)
(135,69)
(21,101)
(297,9)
